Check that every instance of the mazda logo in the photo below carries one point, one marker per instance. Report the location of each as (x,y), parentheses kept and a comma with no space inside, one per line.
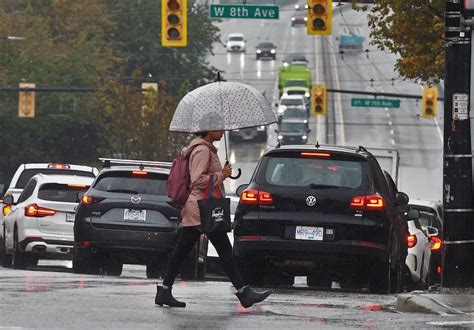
(311,200)
(135,199)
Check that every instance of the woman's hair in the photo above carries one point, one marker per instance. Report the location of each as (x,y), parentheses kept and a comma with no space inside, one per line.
(201,134)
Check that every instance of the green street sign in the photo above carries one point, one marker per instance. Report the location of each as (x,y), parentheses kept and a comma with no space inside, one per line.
(244,11)
(375,103)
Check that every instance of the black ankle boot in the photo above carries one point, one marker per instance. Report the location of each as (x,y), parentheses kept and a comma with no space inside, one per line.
(249,297)
(164,297)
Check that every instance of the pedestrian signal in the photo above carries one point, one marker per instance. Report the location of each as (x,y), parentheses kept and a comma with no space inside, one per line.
(429,102)
(318,100)
(319,17)
(174,23)
(26,101)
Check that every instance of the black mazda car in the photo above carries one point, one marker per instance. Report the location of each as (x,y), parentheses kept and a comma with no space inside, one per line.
(126,217)
(265,50)
(324,212)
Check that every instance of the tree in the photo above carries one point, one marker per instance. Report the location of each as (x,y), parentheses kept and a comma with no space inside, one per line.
(414,30)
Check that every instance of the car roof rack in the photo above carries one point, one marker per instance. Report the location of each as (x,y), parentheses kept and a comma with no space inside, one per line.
(107,162)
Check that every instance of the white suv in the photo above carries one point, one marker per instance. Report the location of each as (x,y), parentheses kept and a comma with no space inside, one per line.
(40,224)
(293,101)
(235,42)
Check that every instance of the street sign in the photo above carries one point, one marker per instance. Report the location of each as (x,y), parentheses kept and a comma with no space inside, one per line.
(244,11)
(375,103)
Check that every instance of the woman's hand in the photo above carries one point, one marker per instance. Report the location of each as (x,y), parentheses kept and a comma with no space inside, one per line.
(227,170)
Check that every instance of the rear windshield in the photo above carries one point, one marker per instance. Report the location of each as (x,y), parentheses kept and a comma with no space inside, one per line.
(26,175)
(292,102)
(60,192)
(291,169)
(236,38)
(129,183)
(295,83)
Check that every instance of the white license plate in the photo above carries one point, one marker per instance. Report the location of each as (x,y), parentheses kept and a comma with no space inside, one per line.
(309,233)
(134,215)
(70,217)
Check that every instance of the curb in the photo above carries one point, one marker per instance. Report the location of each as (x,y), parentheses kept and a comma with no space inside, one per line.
(412,303)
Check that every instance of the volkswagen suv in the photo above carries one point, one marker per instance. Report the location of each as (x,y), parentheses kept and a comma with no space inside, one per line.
(324,212)
(126,217)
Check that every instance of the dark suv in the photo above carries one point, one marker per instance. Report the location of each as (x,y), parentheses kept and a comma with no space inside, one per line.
(321,211)
(126,217)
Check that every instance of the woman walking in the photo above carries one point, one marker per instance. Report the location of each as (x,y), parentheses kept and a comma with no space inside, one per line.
(204,162)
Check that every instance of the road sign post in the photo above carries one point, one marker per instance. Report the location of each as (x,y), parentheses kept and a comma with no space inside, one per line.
(375,103)
(244,11)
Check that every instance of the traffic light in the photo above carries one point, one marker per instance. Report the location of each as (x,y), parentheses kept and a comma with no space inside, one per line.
(174,23)
(26,102)
(319,17)
(429,101)
(319,100)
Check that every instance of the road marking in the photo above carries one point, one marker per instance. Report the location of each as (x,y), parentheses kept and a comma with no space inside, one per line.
(390,122)
(341,116)
(392,132)
(393,142)
(440,133)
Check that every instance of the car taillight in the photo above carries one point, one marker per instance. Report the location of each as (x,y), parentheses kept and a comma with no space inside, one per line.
(435,243)
(58,166)
(86,199)
(33,210)
(7,210)
(411,241)
(368,203)
(315,154)
(139,173)
(256,197)
(76,185)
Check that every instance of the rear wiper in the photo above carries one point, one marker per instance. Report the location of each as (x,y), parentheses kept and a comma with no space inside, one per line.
(321,186)
(123,191)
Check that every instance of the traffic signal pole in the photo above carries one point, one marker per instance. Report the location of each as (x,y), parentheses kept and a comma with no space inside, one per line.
(458,229)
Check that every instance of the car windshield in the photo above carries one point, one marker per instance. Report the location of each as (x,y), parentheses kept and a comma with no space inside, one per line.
(295,113)
(295,83)
(292,102)
(130,183)
(26,175)
(293,170)
(236,38)
(61,192)
(265,45)
(293,127)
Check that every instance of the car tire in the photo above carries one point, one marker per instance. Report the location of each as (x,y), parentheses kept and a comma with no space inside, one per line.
(19,259)
(84,263)
(257,58)
(6,258)
(278,279)
(318,280)
(274,57)
(112,267)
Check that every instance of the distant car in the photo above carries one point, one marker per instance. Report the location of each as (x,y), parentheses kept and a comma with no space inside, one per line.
(296,113)
(296,87)
(40,224)
(323,212)
(258,133)
(298,20)
(266,50)
(301,6)
(293,131)
(126,217)
(235,42)
(291,101)
(295,59)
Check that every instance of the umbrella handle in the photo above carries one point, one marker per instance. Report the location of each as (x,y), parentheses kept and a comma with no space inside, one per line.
(236,176)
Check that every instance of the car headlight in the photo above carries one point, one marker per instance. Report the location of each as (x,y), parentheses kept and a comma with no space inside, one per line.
(305,121)
(304,137)
(306,6)
(292,18)
(297,7)
(284,94)
(285,64)
(258,51)
(273,51)
(306,19)
(307,94)
(280,137)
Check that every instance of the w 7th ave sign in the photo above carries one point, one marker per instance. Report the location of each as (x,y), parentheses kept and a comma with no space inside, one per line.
(244,11)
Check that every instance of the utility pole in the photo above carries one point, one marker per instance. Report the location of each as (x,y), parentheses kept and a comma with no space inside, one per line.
(458,229)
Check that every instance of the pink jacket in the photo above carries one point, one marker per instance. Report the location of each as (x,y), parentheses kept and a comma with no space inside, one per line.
(200,169)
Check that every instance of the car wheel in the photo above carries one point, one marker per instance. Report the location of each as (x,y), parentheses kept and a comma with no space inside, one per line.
(19,260)
(318,280)
(112,267)
(84,263)
(274,57)
(279,279)
(6,258)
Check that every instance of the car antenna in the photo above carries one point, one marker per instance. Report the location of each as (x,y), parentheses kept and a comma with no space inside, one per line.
(317,144)
(361,148)
(278,144)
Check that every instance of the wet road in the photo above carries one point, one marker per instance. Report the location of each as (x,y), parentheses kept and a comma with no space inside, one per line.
(56,298)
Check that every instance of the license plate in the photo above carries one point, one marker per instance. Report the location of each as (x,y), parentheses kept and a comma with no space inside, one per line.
(134,215)
(70,217)
(309,233)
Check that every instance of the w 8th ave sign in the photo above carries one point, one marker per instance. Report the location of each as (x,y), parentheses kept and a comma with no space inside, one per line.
(244,11)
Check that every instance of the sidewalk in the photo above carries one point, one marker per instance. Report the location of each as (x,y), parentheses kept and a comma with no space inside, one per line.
(441,301)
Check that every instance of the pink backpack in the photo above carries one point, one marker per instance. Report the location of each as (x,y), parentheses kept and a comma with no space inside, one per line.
(178,186)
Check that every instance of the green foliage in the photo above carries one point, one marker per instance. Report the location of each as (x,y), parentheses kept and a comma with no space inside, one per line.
(414,30)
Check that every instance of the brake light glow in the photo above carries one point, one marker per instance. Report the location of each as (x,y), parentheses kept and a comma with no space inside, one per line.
(76,185)
(33,210)
(58,166)
(86,199)
(411,241)
(436,243)
(369,203)
(7,210)
(256,197)
(139,172)
(315,154)
(439,269)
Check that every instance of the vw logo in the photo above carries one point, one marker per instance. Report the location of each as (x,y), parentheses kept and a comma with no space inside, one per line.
(135,199)
(311,200)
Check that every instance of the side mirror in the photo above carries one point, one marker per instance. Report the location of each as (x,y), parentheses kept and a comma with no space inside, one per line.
(401,198)
(432,231)
(308,130)
(413,214)
(241,188)
(8,200)
(276,130)
(276,104)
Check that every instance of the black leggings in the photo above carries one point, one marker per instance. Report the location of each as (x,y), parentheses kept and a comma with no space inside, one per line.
(189,237)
